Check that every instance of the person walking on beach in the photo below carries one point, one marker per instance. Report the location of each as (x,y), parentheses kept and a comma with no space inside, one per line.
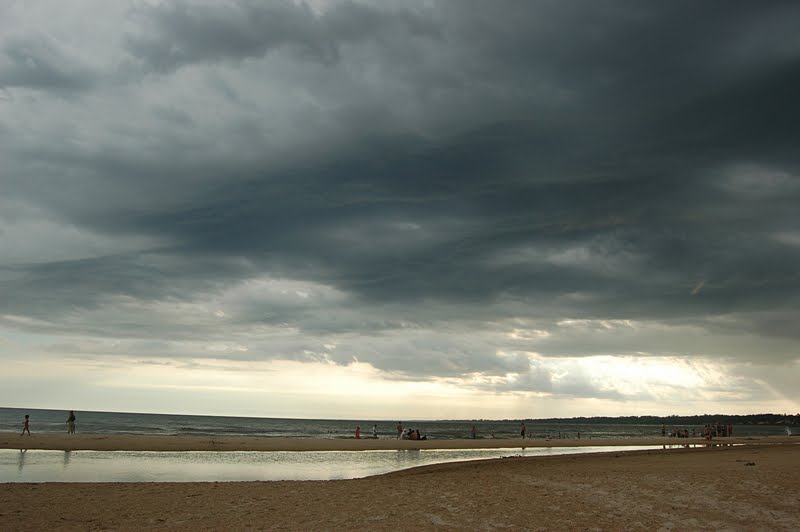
(358,433)
(522,430)
(375,431)
(27,426)
(71,423)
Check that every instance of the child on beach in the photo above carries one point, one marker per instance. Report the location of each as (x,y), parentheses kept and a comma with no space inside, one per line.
(27,426)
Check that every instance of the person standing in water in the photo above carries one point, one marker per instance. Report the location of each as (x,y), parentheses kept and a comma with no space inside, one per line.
(71,422)
(27,426)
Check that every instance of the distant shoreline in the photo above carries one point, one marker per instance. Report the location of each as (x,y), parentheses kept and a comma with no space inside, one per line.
(136,442)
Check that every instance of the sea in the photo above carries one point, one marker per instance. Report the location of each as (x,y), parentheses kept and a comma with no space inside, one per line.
(22,465)
(51,421)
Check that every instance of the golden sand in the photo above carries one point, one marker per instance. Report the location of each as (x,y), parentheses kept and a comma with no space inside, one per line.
(746,487)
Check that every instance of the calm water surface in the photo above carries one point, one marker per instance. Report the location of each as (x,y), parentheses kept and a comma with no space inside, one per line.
(209,466)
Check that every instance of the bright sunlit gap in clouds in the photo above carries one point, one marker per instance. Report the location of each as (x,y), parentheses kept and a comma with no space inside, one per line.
(629,385)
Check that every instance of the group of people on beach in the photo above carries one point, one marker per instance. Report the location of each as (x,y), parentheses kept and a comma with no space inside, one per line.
(710,431)
(26,427)
(718,430)
(408,434)
(411,434)
(402,434)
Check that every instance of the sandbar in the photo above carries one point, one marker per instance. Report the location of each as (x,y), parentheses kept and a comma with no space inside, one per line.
(142,442)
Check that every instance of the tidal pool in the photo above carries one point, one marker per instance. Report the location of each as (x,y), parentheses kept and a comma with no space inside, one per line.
(228,466)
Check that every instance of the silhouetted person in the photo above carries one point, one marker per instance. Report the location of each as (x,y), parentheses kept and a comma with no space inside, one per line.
(71,423)
(27,426)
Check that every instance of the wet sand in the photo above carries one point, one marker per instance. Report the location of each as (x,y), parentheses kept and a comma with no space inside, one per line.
(744,487)
(751,487)
(124,442)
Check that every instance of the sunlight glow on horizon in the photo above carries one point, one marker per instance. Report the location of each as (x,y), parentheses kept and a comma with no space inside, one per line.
(310,390)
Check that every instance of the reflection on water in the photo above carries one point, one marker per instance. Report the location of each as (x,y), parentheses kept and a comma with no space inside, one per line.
(21,460)
(207,466)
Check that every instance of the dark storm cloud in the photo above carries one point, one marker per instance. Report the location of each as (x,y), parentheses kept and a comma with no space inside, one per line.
(613,160)
(179,34)
(39,62)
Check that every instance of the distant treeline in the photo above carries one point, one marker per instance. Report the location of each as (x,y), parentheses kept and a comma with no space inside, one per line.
(752,419)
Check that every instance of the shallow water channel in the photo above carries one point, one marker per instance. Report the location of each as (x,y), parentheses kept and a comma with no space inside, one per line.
(227,466)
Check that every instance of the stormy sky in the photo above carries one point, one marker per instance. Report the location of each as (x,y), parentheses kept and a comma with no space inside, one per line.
(400,209)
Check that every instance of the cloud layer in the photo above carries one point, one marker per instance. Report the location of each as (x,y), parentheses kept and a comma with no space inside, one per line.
(467,191)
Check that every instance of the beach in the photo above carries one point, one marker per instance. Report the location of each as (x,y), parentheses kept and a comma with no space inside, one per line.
(754,486)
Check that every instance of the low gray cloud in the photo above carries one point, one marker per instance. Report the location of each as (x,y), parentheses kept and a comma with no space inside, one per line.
(170,36)
(37,61)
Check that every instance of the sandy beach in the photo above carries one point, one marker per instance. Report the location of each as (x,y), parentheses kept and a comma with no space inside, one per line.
(746,487)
